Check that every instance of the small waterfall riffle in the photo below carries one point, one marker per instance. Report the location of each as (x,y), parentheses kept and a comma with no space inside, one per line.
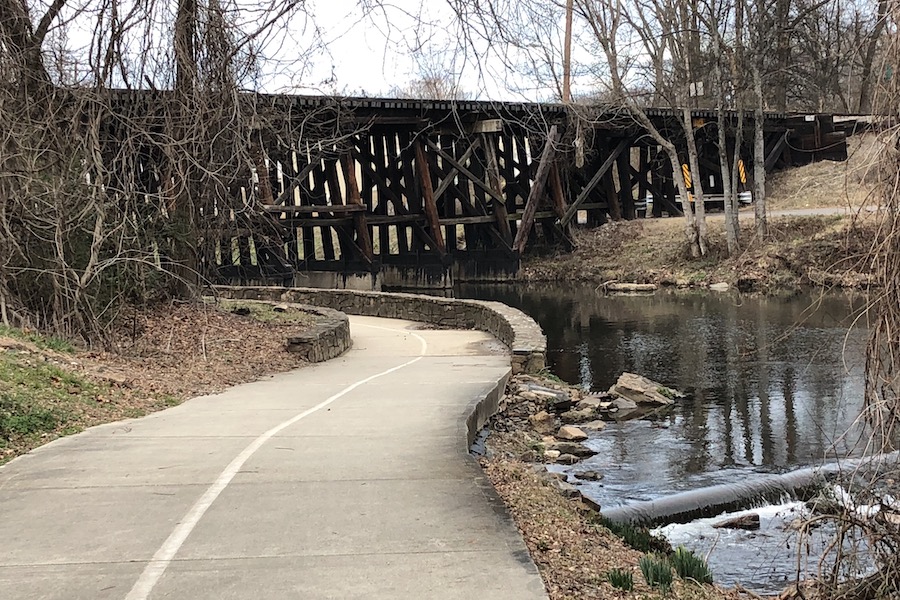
(700,503)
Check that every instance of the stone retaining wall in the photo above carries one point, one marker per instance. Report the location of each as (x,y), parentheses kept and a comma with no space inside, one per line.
(327,339)
(511,326)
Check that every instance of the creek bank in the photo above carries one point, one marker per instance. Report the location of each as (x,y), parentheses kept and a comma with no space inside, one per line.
(560,417)
(563,530)
(637,256)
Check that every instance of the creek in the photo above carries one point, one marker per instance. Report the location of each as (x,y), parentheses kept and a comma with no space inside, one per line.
(773,385)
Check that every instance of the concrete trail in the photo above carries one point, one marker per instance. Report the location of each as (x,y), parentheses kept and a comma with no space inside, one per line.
(348,479)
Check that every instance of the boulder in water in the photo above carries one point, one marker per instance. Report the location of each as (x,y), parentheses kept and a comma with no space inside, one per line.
(571,434)
(543,422)
(577,416)
(573,448)
(643,391)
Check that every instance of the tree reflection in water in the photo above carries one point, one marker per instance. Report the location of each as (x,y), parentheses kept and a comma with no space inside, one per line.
(772,383)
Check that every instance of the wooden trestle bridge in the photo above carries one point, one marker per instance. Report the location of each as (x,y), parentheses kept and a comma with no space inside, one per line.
(424,194)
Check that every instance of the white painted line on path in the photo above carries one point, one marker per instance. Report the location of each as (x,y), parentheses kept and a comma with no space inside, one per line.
(166,553)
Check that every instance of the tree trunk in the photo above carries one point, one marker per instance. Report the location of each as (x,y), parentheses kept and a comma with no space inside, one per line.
(690,221)
(782,50)
(865,78)
(185,241)
(759,155)
(694,163)
(731,237)
(20,40)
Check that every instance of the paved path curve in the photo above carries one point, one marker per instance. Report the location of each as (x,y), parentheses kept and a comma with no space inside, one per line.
(348,479)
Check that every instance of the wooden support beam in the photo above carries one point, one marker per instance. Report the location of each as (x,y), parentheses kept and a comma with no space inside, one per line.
(262,173)
(556,192)
(431,211)
(459,167)
(626,187)
(643,171)
(321,208)
(295,181)
(559,207)
(573,208)
(612,197)
(493,173)
(537,190)
(385,190)
(364,238)
(776,152)
(447,181)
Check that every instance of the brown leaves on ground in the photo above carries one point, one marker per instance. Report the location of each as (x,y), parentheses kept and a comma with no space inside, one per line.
(572,554)
(164,355)
(184,350)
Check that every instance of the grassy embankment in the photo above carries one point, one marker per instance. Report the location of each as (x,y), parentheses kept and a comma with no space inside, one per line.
(49,388)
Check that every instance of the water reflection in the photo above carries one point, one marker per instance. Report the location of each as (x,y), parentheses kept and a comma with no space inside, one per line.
(772,383)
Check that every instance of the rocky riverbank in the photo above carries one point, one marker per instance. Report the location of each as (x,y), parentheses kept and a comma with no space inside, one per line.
(544,421)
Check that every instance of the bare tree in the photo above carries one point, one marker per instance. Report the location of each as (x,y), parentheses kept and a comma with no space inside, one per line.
(107,195)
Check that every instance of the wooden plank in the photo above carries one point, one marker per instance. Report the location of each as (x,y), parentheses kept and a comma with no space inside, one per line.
(431,211)
(323,208)
(670,191)
(556,192)
(262,174)
(360,225)
(392,174)
(308,244)
(226,258)
(448,204)
(335,194)
(601,172)
(537,190)
(559,207)
(444,221)
(480,199)
(642,172)
(493,173)
(612,197)
(244,255)
(319,196)
(776,152)
(411,182)
(374,159)
(626,187)
(522,164)
(656,178)
(454,163)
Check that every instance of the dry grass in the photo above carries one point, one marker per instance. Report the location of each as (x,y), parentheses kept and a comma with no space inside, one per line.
(808,250)
(828,183)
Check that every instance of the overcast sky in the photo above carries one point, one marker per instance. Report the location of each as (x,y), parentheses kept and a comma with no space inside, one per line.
(375,52)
